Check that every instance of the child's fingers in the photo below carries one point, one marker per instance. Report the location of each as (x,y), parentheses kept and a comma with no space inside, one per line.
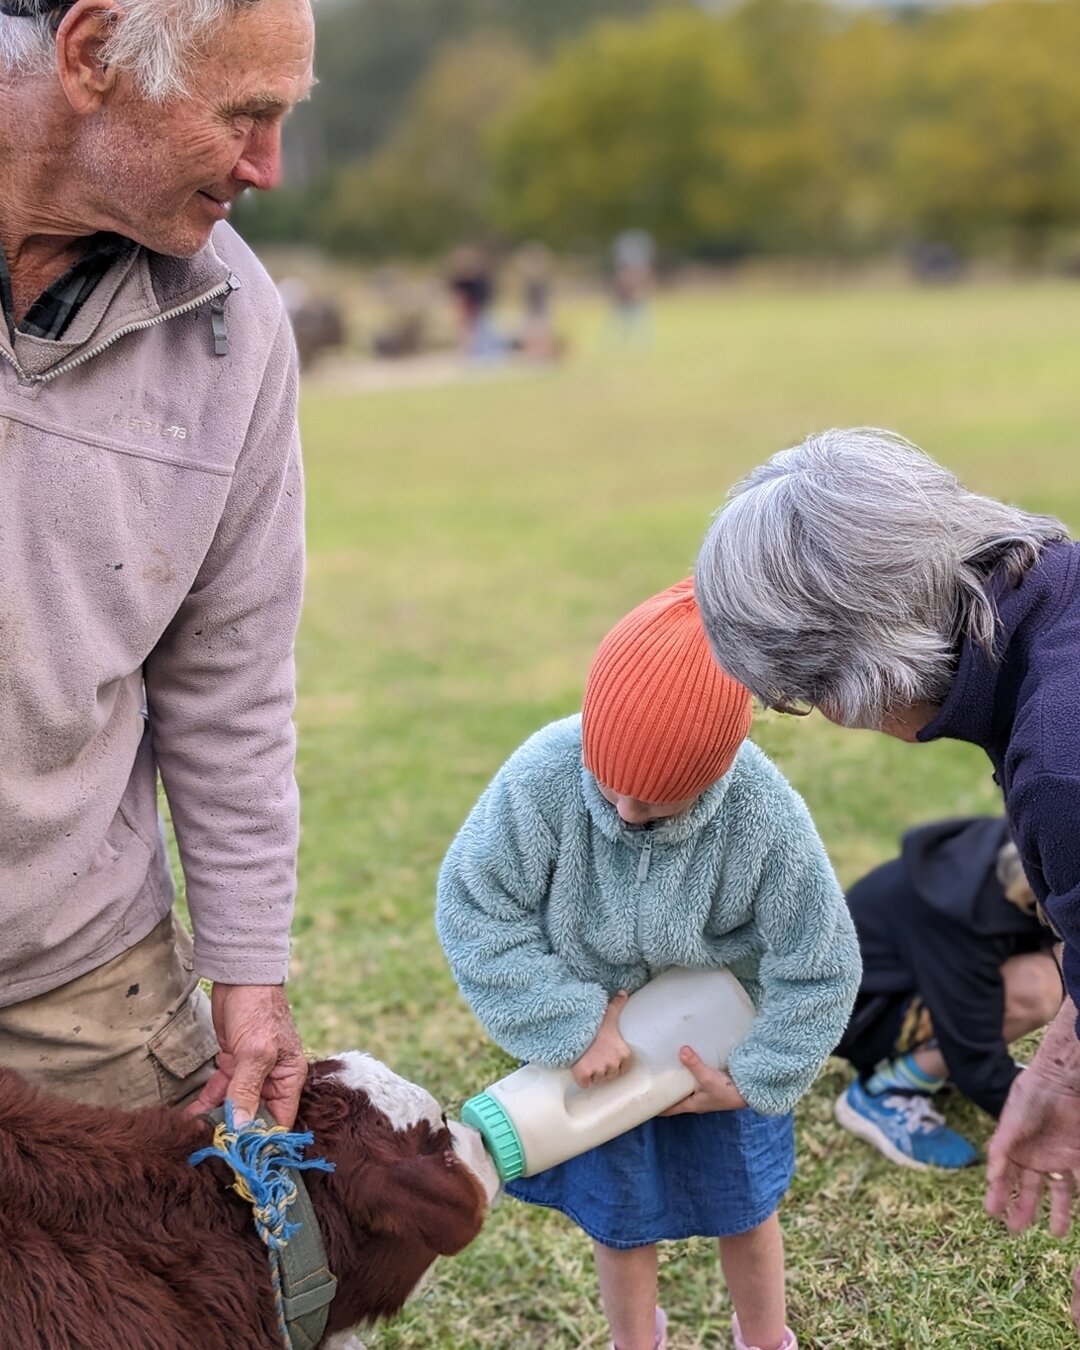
(600,1064)
(696,1065)
(714,1089)
(581,1074)
(614,1008)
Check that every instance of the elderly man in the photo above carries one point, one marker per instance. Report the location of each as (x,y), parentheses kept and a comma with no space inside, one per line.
(151,542)
(854,575)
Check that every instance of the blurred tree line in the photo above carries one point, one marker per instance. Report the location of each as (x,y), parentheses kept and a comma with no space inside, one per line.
(769,126)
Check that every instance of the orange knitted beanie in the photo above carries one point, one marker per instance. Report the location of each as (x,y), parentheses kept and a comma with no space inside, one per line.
(661,720)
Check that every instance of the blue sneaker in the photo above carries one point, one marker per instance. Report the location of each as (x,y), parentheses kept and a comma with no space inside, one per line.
(905,1127)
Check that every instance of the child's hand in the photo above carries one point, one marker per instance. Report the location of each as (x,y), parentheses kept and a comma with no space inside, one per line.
(715,1090)
(609,1055)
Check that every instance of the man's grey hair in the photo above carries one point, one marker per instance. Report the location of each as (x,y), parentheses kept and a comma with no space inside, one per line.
(846,571)
(153,40)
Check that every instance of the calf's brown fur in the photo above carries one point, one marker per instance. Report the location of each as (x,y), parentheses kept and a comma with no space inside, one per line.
(109,1237)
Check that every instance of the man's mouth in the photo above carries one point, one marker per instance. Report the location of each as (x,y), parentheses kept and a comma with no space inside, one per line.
(223,204)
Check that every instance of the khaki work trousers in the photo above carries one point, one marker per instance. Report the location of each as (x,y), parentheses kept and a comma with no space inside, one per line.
(135,1032)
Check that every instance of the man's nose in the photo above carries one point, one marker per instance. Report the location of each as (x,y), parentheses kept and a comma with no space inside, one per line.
(260,164)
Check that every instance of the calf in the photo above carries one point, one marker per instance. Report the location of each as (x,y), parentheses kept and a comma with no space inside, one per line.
(108,1236)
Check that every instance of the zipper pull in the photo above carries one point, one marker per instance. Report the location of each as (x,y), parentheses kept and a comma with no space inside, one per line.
(645,859)
(218,326)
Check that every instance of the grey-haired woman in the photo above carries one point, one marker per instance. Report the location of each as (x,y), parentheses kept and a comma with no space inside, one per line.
(854,575)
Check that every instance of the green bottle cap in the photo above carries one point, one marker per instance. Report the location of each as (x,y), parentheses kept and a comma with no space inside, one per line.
(496,1129)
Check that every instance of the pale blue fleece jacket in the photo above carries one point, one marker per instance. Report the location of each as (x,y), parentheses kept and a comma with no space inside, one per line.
(548,904)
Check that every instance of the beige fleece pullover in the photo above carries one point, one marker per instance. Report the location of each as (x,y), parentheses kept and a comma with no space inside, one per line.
(151,562)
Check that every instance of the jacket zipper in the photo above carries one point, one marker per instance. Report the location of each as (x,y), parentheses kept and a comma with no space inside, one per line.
(645,859)
(224,288)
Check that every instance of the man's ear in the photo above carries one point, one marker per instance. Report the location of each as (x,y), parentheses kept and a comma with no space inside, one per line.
(86,80)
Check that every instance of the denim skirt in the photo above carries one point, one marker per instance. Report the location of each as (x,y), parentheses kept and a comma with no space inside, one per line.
(709,1175)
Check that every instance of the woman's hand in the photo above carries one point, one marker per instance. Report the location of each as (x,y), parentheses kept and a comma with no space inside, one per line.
(1037,1142)
(714,1089)
(609,1055)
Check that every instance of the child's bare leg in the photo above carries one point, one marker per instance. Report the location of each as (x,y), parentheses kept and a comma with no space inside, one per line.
(753,1266)
(1033,997)
(628,1293)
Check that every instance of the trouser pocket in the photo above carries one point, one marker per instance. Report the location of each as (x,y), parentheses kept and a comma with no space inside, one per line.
(183,1052)
(134,1032)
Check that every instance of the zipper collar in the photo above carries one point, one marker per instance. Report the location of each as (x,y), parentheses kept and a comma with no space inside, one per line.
(141,290)
(209,297)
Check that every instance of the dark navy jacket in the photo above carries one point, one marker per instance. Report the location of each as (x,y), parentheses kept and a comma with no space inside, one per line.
(1024,710)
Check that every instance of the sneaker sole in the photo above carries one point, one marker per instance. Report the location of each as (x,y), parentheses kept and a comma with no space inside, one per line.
(850,1119)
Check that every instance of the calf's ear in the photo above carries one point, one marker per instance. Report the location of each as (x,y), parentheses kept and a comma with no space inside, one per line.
(432,1197)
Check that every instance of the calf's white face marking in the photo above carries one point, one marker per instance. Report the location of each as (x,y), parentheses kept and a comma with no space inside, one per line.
(403,1103)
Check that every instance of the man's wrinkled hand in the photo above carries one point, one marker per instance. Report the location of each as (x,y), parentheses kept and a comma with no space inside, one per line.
(609,1055)
(714,1090)
(261,1058)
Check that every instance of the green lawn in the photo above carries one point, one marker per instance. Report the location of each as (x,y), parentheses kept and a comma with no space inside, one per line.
(469,544)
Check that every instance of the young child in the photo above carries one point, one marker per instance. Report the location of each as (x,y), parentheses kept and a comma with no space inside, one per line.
(644,834)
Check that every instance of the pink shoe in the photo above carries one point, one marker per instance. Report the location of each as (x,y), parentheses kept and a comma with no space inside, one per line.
(788,1343)
(661,1331)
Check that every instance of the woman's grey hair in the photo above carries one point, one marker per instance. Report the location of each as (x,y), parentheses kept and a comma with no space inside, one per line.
(154,40)
(846,571)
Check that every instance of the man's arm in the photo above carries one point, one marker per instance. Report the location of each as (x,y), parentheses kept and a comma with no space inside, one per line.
(220,691)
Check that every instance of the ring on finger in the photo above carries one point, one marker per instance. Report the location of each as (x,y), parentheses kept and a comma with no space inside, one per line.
(1056,1176)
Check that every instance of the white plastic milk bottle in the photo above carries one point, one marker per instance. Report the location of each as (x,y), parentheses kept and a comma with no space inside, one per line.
(537,1117)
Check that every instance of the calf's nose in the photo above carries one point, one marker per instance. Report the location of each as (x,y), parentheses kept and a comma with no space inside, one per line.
(469,1147)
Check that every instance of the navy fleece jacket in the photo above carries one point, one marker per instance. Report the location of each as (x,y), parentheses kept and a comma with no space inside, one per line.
(1024,710)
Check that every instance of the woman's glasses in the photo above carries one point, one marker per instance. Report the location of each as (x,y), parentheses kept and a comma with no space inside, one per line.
(790,707)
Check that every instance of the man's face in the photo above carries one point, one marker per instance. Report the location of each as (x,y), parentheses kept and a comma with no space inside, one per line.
(165,173)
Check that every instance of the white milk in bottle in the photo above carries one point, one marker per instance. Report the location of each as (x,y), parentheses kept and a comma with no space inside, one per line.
(537,1117)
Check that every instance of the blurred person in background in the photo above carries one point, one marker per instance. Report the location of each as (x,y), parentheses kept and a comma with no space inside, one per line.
(471,279)
(854,575)
(151,540)
(537,338)
(956,966)
(633,253)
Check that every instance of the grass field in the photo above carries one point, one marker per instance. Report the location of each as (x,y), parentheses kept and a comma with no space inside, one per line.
(469,544)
